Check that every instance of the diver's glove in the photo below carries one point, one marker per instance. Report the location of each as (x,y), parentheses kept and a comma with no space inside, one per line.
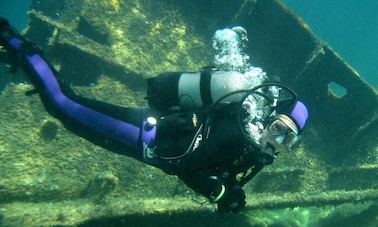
(233,200)
(266,156)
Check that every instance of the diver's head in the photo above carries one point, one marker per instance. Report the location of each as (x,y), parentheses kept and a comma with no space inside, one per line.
(268,116)
(285,129)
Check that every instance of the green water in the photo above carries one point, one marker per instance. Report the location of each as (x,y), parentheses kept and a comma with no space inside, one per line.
(15,11)
(349,26)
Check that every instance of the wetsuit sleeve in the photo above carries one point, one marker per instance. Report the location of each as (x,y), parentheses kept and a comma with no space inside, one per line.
(205,183)
(91,123)
(220,189)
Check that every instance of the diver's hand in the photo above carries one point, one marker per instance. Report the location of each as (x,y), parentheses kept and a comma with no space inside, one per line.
(233,200)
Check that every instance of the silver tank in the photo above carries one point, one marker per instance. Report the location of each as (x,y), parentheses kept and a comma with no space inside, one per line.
(220,84)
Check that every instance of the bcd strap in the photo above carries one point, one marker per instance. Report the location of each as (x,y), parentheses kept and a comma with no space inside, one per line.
(205,89)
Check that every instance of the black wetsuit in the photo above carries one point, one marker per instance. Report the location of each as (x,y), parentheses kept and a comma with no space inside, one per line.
(210,163)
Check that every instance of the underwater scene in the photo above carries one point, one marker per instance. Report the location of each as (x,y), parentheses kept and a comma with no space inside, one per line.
(188,113)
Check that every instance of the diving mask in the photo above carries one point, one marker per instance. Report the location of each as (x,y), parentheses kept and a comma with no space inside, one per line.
(282,131)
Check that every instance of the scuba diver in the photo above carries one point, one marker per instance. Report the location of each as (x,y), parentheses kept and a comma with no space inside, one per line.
(213,129)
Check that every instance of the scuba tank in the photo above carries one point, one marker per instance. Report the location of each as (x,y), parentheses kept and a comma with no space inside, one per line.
(191,90)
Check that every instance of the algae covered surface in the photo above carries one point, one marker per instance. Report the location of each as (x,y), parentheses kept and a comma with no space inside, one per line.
(106,49)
